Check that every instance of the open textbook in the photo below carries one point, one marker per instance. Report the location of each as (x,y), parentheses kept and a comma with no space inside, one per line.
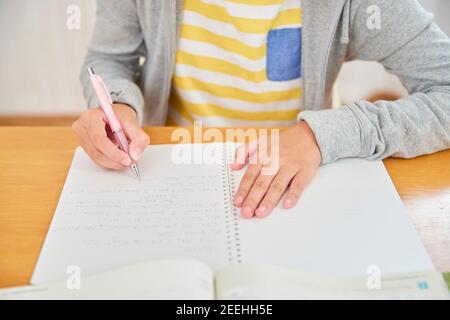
(190,279)
(349,220)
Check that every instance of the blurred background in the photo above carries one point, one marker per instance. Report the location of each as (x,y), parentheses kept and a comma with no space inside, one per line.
(42,47)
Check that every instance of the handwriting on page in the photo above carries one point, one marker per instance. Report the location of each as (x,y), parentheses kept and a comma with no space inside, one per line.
(108,219)
(172,216)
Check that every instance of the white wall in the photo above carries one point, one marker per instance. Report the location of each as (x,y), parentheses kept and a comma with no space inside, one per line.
(40,58)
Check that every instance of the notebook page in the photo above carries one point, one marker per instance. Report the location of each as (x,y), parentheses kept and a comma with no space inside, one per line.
(268,282)
(163,279)
(348,222)
(107,219)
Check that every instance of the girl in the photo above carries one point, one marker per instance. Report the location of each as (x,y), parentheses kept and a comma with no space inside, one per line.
(268,63)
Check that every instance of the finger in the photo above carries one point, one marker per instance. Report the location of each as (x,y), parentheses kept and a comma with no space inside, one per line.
(97,134)
(298,184)
(243,153)
(96,155)
(276,190)
(246,183)
(139,140)
(256,194)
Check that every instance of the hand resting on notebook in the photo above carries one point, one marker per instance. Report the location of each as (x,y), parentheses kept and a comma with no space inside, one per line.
(95,137)
(297,161)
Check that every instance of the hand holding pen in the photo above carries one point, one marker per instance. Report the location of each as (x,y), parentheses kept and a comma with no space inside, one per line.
(113,139)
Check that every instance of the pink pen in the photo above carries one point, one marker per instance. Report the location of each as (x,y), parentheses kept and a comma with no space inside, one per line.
(106,104)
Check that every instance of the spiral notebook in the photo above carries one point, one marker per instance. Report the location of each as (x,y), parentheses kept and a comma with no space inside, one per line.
(349,219)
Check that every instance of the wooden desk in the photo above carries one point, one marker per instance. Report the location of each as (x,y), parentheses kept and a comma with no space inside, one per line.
(34,164)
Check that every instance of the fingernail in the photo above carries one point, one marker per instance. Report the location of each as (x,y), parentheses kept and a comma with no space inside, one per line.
(288,203)
(126,161)
(247,212)
(235,166)
(261,212)
(238,200)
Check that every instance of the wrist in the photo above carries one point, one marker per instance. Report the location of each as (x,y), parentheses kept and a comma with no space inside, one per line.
(125,111)
(306,140)
(306,131)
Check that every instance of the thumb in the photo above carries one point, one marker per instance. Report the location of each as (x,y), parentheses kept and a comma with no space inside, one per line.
(139,140)
(243,153)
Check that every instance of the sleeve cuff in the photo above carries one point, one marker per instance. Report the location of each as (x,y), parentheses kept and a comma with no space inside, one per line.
(337,132)
(123,91)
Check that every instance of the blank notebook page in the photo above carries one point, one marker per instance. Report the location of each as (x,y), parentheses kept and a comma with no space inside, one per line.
(348,219)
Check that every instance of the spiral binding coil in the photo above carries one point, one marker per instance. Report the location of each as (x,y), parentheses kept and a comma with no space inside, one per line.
(231,213)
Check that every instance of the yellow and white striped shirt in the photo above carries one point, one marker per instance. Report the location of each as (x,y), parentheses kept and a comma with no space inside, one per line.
(238,63)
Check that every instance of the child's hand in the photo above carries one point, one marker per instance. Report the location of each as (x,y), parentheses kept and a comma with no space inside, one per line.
(299,158)
(96,137)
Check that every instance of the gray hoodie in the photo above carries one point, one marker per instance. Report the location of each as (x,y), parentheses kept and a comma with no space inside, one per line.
(408,44)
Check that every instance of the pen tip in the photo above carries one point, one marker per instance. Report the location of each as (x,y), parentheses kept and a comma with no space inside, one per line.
(136,171)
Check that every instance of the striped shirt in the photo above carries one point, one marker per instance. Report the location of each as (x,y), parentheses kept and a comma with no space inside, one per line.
(238,63)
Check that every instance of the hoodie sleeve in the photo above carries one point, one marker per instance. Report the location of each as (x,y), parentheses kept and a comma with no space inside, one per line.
(410,45)
(114,53)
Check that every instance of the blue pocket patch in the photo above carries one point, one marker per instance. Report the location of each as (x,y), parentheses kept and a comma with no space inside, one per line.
(284,54)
